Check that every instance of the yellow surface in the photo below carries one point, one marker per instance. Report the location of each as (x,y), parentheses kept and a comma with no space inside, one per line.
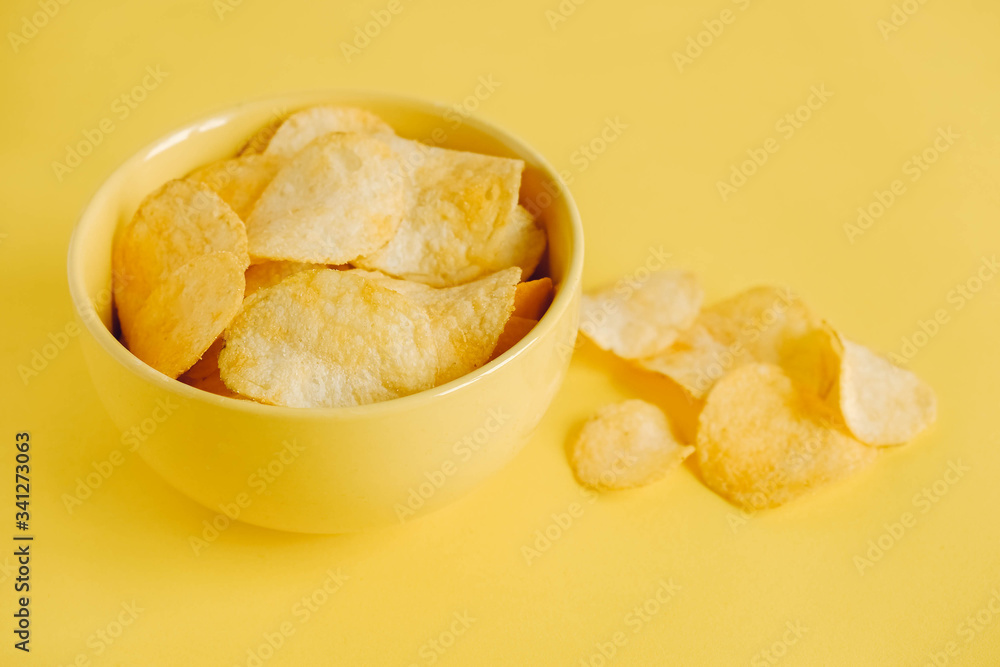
(744,581)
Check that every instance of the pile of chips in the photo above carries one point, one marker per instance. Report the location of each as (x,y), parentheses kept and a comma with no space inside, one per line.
(787,402)
(330,263)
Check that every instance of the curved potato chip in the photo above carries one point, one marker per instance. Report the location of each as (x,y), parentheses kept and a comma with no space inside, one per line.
(467,320)
(533,298)
(762,440)
(342,196)
(515,329)
(518,241)
(643,321)
(240,180)
(266,274)
(763,324)
(187,312)
(204,374)
(213,384)
(302,127)
(325,338)
(625,445)
(881,403)
(464,222)
(256,144)
(176,223)
(208,365)
(693,361)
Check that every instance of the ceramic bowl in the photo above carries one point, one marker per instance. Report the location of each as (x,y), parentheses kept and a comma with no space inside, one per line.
(327,470)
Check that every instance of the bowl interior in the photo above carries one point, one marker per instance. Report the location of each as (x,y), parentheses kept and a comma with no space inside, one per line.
(221,134)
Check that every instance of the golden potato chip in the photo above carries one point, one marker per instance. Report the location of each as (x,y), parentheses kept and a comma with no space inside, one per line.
(518,241)
(239,181)
(763,440)
(325,338)
(763,324)
(533,298)
(175,224)
(625,445)
(261,138)
(213,384)
(515,329)
(467,320)
(693,361)
(266,274)
(881,403)
(204,374)
(341,197)
(464,222)
(186,313)
(302,127)
(641,321)
(208,365)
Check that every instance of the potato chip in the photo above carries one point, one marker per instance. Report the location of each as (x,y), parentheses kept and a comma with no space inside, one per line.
(187,312)
(881,403)
(625,445)
(763,324)
(325,338)
(467,320)
(533,298)
(204,374)
(302,127)
(518,241)
(340,197)
(208,365)
(694,361)
(515,329)
(763,440)
(256,144)
(213,384)
(464,222)
(266,274)
(641,321)
(175,224)
(239,181)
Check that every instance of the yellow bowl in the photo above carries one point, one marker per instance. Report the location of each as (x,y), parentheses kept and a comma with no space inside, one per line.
(325,470)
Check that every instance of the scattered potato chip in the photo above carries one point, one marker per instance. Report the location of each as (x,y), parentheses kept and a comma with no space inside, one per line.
(186,312)
(302,127)
(266,274)
(625,445)
(240,180)
(325,338)
(515,329)
(644,320)
(533,298)
(340,197)
(762,440)
(175,224)
(693,361)
(763,324)
(204,374)
(467,320)
(881,403)
(464,222)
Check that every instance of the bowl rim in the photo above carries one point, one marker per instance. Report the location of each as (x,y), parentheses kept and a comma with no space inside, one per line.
(86,311)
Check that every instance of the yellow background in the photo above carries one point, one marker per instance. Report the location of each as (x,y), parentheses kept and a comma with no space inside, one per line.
(742,579)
